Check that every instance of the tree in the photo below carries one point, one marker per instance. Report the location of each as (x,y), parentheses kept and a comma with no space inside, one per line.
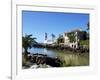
(88,26)
(71,36)
(60,39)
(27,42)
(82,35)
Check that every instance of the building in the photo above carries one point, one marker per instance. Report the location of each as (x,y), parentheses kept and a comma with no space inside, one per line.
(48,41)
(71,38)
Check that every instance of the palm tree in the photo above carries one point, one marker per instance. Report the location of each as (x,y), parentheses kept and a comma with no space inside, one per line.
(27,42)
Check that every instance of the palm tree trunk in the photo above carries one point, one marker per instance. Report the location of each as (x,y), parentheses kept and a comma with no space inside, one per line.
(25,55)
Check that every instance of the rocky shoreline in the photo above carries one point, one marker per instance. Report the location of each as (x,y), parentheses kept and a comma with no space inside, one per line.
(42,61)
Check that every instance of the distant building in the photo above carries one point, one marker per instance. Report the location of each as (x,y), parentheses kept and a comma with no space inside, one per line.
(48,41)
(72,38)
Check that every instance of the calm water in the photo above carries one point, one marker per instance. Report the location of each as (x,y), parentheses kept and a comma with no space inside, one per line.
(50,53)
(70,58)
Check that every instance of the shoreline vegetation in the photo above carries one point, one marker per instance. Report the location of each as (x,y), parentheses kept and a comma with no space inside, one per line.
(81,49)
(69,57)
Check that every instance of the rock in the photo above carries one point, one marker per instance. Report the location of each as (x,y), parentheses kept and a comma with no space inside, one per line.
(41,60)
(34,66)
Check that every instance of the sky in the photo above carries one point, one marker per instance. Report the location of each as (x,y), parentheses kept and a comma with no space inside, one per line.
(38,23)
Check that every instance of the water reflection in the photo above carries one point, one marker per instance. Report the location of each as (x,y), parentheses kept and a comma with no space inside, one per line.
(50,53)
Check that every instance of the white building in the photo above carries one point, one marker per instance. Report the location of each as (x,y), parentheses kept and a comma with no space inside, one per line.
(48,41)
(67,41)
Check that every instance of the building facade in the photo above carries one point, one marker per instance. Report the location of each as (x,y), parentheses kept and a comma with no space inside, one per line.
(71,39)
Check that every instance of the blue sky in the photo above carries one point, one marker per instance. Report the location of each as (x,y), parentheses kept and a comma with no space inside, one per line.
(37,23)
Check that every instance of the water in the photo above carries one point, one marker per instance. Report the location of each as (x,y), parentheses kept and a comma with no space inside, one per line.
(69,57)
(50,53)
